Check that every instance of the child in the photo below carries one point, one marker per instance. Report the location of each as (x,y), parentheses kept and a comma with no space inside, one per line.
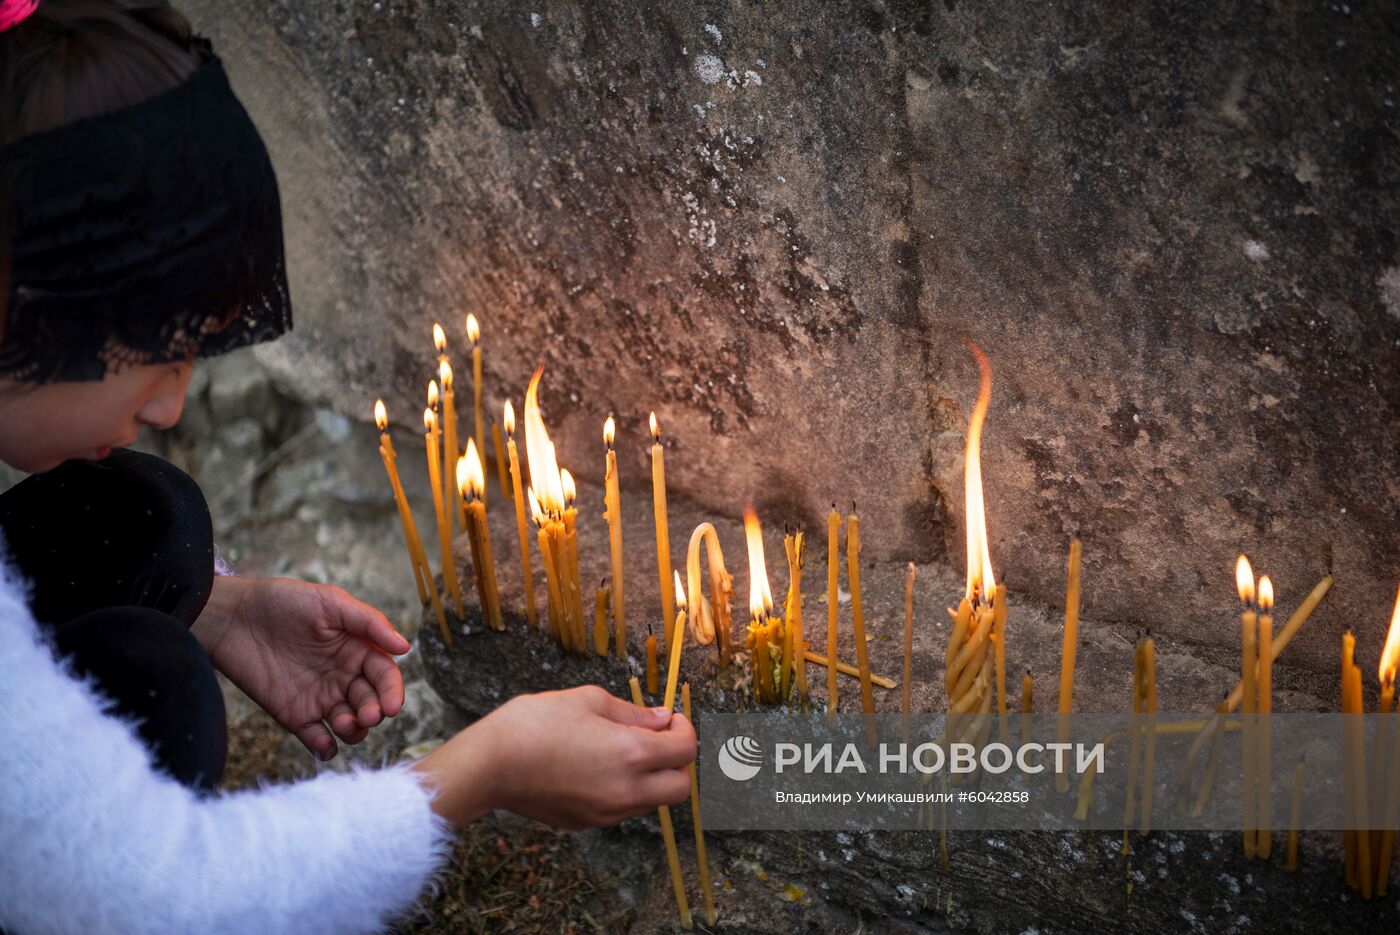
(141,230)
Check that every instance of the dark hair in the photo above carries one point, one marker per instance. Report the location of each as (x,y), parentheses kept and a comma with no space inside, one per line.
(82,58)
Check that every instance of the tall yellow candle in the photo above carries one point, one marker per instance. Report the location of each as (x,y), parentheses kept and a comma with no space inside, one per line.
(1135,741)
(1249,629)
(500,452)
(999,633)
(1348,780)
(663,540)
(1265,706)
(907,700)
(1069,649)
(668,834)
(701,857)
(612,511)
(557,628)
(450,452)
(761,624)
(1389,667)
(471,480)
(474,335)
(531,614)
(867,696)
(449,564)
(674,641)
(1027,703)
(833,608)
(570,571)
(422,571)
(1149,675)
(653,676)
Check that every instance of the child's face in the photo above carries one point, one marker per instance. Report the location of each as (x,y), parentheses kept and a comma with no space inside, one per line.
(43,425)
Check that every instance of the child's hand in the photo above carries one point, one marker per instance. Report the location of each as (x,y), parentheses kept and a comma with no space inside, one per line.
(575,759)
(307,653)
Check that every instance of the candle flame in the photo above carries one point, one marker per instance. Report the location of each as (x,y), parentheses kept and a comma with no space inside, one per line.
(760,598)
(1244,579)
(680,592)
(609,431)
(445,375)
(439,339)
(655,428)
(509,418)
(429,419)
(980,580)
(471,477)
(432,394)
(381,415)
(1266,594)
(566,482)
(539,450)
(535,512)
(473,329)
(1390,656)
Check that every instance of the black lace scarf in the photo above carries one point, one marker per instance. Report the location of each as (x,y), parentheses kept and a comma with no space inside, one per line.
(147,235)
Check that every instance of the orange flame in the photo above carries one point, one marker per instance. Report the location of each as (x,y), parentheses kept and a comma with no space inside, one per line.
(680,592)
(439,339)
(1244,579)
(381,415)
(566,482)
(655,427)
(1390,656)
(445,375)
(509,419)
(609,431)
(760,598)
(432,394)
(979,557)
(471,477)
(429,419)
(539,450)
(535,512)
(1266,594)
(473,329)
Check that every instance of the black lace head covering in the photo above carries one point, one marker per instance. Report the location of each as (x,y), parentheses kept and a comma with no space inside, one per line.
(146,235)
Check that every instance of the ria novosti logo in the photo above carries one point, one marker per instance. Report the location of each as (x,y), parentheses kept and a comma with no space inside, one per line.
(740,758)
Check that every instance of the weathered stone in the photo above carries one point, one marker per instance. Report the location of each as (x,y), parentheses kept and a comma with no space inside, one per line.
(1171,227)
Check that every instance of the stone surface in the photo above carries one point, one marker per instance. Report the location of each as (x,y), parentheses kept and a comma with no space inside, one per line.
(1172,228)
(771,882)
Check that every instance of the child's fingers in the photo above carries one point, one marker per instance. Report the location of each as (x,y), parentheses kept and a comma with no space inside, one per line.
(360,619)
(317,739)
(365,702)
(384,675)
(342,721)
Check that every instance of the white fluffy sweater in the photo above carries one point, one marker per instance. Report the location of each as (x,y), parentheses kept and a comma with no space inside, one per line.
(92,839)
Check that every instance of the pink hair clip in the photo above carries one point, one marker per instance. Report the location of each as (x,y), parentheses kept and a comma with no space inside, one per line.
(14,12)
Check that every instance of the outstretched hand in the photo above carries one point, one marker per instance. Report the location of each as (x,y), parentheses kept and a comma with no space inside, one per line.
(310,654)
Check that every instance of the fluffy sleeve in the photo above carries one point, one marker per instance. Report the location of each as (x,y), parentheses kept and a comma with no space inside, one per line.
(92,839)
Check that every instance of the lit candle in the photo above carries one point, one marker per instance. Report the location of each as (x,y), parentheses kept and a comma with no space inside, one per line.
(1295,815)
(1348,780)
(612,511)
(422,571)
(1249,629)
(833,607)
(517,491)
(909,639)
(858,616)
(474,335)
(450,451)
(449,564)
(658,502)
(794,663)
(668,834)
(653,677)
(1390,665)
(701,857)
(600,619)
(548,484)
(471,481)
(1265,833)
(1356,760)
(674,641)
(500,452)
(557,628)
(1149,692)
(1069,649)
(570,570)
(760,613)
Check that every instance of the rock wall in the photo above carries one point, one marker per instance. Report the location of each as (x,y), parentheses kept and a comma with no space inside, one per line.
(1172,226)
